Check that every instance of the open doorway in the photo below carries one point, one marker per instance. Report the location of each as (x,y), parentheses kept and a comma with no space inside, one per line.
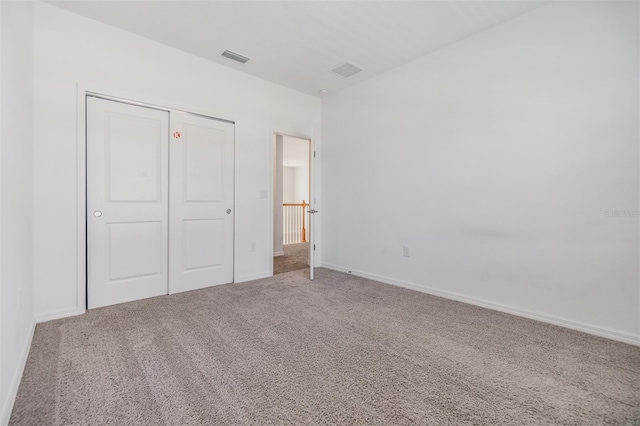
(292,199)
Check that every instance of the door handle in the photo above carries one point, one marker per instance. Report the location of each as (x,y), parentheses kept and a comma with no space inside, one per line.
(228,211)
(312,211)
(97,213)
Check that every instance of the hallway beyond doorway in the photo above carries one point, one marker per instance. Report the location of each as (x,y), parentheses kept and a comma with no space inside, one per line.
(296,256)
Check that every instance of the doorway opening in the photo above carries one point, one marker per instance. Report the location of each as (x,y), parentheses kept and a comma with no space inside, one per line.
(292,205)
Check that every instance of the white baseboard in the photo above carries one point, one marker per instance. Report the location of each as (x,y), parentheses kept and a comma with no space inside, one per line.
(619,336)
(54,315)
(278,253)
(252,277)
(7,404)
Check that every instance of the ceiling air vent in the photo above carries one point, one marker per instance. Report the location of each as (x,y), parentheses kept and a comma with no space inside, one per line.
(346,70)
(234,56)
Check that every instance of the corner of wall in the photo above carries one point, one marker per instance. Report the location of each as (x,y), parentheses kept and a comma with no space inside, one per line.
(16,196)
(7,404)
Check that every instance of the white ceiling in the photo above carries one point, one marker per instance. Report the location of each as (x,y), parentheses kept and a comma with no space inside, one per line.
(296,43)
(295,152)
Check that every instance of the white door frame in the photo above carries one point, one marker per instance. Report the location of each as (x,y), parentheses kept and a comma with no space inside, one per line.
(312,184)
(115,93)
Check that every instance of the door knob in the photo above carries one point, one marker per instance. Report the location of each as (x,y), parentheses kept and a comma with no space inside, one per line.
(228,211)
(97,213)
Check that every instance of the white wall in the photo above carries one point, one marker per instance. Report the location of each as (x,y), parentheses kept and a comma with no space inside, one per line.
(301,183)
(16,196)
(289,185)
(495,160)
(296,157)
(71,49)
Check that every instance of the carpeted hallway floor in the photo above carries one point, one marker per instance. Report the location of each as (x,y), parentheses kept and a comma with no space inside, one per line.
(339,350)
(296,256)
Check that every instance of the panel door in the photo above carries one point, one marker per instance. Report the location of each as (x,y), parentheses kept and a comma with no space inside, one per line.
(127,202)
(311,212)
(201,206)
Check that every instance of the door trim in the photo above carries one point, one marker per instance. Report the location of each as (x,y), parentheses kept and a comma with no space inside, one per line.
(151,106)
(82,91)
(312,184)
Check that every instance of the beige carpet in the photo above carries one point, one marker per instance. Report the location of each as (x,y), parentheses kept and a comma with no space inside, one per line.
(296,256)
(339,350)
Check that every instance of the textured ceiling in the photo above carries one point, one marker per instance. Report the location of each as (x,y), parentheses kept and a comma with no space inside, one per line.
(295,43)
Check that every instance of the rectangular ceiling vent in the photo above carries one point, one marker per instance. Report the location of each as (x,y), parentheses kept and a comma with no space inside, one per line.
(346,70)
(234,56)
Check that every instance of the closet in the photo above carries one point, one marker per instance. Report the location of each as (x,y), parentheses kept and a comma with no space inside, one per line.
(160,195)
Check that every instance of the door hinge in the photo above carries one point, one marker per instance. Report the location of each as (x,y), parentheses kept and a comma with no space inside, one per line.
(314,247)
(314,154)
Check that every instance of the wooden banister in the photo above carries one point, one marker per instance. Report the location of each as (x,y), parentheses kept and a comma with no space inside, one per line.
(303,214)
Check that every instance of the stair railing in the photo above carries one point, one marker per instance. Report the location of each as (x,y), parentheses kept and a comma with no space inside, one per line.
(294,222)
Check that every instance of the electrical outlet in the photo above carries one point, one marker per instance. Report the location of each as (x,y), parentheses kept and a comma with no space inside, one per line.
(253,247)
(406,251)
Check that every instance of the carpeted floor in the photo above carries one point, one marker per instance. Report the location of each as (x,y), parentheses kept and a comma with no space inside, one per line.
(339,350)
(296,256)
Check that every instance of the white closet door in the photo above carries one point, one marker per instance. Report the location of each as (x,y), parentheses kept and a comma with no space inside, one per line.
(127,202)
(201,203)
